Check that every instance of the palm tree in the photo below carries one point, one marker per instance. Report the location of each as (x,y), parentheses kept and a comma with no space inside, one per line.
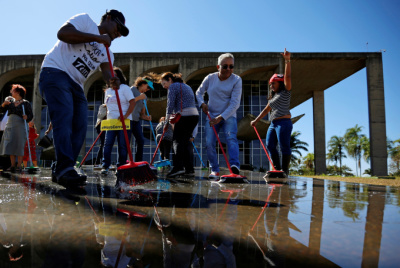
(353,144)
(309,161)
(296,145)
(365,147)
(346,171)
(335,146)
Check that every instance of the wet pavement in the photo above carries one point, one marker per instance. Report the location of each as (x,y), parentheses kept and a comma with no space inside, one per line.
(192,222)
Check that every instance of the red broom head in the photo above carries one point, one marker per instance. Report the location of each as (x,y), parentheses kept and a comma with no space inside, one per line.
(135,173)
(276,174)
(233,176)
(132,213)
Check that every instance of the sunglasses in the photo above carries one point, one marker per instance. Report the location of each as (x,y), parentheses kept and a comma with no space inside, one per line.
(119,27)
(225,66)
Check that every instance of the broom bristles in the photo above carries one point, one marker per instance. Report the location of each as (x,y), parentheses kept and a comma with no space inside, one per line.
(276,174)
(162,163)
(233,178)
(135,173)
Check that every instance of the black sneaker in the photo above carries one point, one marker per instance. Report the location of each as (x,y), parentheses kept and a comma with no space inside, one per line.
(71,179)
(235,170)
(175,172)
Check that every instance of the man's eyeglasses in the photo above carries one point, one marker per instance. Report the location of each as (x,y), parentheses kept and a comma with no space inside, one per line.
(226,66)
(119,28)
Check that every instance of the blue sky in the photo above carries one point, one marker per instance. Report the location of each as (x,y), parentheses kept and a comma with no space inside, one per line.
(30,27)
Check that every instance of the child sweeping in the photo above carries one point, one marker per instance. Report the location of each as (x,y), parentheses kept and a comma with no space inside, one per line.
(32,136)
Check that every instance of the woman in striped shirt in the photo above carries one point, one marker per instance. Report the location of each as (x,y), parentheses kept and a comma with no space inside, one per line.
(281,124)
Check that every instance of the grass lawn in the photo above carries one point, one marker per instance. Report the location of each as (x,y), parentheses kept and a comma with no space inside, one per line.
(367,180)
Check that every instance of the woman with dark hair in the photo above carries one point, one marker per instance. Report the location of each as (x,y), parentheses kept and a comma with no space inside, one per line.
(14,137)
(181,100)
(140,87)
(166,143)
(127,101)
(280,129)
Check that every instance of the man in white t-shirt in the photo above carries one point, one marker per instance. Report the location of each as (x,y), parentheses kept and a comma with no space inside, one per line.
(80,50)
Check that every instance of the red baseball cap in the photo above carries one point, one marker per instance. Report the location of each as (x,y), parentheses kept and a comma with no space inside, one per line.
(277,78)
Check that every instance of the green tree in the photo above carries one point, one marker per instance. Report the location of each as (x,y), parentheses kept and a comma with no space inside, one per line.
(354,140)
(334,171)
(296,145)
(335,146)
(394,154)
(365,147)
(308,161)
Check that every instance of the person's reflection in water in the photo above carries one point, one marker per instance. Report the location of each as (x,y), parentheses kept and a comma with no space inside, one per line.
(110,233)
(217,239)
(121,230)
(71,233)
(274,243)
(177,238)
(15,218)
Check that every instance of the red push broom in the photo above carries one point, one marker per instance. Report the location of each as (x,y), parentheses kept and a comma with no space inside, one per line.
(272,173)
(80,171)
(128,222)
(231,178)
(133,172)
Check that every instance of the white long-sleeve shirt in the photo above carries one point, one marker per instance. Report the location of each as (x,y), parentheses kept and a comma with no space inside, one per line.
(224,96)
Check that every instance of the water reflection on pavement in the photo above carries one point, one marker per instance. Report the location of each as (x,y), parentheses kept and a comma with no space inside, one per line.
(191,222)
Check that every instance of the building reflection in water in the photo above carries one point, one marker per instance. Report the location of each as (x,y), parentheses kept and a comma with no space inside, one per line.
(290,223)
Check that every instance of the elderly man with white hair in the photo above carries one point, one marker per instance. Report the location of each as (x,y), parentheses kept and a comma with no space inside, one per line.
(224,89)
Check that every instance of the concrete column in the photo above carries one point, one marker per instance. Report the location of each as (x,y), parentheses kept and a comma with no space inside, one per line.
(377,119)
(319,132)
(373,228)
(317,213)
(37,98)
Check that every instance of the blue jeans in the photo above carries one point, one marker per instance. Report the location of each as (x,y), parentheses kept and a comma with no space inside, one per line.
(229,128)
(136,129)
(279,132)
(122,148)
(67,107)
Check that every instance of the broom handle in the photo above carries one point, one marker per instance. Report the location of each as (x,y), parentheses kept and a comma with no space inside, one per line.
(265,150)
(87,154)
(220,145)
(198,154)
(151,126)
(158,145)
(27,136)
(266,203)
(121,115)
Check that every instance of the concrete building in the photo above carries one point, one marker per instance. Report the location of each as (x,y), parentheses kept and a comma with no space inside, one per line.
(312,73)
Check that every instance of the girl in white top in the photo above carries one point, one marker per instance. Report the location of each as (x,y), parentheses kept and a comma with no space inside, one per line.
(127,105)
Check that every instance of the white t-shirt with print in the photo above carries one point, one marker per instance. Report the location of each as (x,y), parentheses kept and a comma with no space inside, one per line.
(110,99)
(79,61)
